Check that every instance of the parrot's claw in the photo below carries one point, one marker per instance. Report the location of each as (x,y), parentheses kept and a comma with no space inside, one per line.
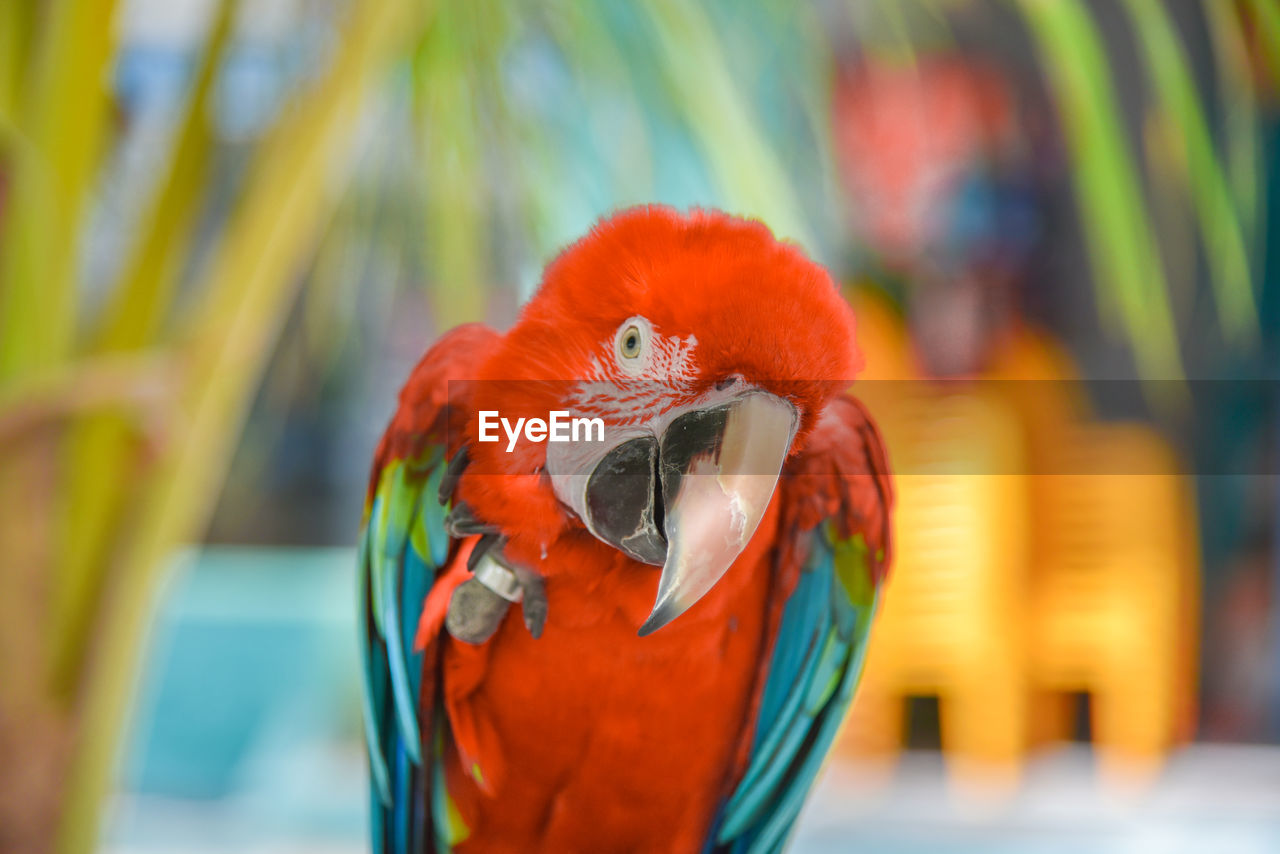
(462,522)
(534,601)
(452,471)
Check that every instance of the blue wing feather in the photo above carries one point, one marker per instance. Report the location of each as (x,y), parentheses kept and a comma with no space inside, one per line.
(814,669)
(779,734)
(374,685)
(414,585)
(402,546)
(400,808)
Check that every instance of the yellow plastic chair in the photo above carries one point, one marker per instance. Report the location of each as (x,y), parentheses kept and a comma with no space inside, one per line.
(1039,379)
(1041,382)
(951,622)
(1115,591)
(882,337)
(1010,592)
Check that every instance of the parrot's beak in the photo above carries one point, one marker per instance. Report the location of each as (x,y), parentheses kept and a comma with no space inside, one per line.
(685,494)
(719,467)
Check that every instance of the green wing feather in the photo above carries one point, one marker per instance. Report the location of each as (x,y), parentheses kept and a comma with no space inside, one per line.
(403,544)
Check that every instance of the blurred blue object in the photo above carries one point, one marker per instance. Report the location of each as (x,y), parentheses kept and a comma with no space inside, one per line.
(247,724)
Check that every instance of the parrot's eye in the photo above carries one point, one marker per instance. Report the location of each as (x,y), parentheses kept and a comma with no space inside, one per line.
(630,345)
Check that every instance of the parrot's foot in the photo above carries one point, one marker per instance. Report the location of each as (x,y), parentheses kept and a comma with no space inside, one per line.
(478,605)
(475,612)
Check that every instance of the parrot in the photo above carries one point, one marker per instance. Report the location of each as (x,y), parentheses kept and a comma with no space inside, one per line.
(644,639)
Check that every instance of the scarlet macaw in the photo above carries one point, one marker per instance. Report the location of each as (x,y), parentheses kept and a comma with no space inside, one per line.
(716,357)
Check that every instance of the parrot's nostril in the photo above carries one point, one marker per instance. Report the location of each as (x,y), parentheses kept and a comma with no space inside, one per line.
(729,382)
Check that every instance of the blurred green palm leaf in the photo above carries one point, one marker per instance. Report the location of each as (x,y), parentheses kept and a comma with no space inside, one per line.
(1130,276)
(1219,218)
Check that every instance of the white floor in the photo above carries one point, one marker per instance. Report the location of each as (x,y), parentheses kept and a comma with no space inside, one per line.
(1209,799)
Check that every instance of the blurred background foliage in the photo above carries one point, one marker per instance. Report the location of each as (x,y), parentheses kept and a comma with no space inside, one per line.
(215,214)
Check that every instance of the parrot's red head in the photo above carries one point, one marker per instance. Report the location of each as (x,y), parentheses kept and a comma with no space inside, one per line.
(707,348)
